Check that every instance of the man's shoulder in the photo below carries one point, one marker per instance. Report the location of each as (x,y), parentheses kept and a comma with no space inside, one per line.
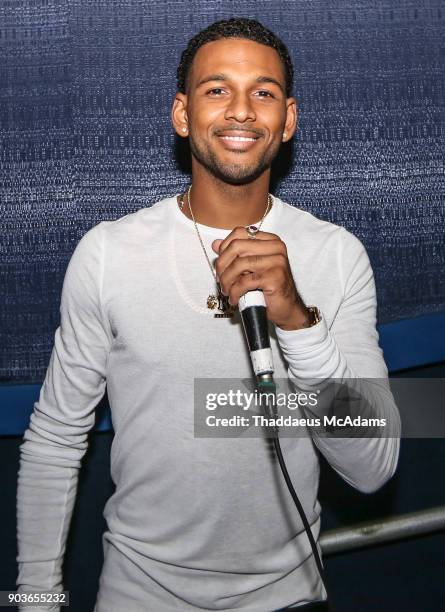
(153,214)
(150,219)
(306,229)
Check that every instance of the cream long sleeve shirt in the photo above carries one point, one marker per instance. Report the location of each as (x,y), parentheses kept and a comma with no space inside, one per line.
(194,523)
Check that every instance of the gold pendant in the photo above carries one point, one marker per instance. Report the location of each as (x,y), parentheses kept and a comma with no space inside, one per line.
(220,302)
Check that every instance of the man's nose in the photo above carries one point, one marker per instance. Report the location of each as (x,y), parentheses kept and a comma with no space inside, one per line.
(240,108)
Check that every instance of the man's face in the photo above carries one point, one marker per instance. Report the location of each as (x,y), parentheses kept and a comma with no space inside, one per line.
(235,109)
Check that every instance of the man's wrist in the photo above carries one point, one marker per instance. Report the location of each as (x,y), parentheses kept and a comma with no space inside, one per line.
(305,317)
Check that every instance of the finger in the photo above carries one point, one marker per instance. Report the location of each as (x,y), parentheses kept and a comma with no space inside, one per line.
(241,232)
(239,248)
(248,282)
(252,264)
(265,281)
(216,245)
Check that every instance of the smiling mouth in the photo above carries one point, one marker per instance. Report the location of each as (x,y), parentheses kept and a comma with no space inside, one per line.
(238,138)
(236,141)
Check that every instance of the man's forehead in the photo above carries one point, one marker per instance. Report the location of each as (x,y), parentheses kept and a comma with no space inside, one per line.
(230,56)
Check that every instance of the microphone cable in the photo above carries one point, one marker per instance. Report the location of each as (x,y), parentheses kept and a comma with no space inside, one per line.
(252,307)
(266,384)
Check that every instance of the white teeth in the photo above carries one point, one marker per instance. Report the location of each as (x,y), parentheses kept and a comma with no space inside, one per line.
(239,138)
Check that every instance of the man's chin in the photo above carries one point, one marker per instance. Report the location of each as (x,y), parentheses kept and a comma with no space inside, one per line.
(231,173)
(236,175)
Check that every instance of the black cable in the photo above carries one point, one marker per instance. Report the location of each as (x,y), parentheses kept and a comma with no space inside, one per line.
(268,386)
(297,502)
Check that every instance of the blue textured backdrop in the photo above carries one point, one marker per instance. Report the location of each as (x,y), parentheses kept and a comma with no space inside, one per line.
(85,94)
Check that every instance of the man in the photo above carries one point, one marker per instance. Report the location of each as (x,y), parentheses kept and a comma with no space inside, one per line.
(199,523)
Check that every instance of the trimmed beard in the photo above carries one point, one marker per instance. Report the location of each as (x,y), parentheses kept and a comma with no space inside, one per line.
(234,174)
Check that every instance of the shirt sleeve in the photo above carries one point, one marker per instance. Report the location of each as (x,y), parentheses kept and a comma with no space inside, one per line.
(348,352)
(57,436)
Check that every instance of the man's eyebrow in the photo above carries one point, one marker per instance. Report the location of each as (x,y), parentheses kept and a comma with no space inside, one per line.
(212,77)
(224,77)
(266,79)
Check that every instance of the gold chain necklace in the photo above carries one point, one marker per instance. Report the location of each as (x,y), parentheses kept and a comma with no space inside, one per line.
(220,301)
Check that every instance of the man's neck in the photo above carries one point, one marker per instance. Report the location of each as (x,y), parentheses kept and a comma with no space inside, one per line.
(218,204)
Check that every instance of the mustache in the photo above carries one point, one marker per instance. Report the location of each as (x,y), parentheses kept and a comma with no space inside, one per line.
(238,128)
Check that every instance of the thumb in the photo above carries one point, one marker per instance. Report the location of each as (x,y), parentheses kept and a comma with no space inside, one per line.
(216,244)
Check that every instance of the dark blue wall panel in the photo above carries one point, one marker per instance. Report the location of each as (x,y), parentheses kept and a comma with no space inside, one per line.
(85,92)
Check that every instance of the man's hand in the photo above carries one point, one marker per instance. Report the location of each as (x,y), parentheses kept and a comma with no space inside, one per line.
(245,264)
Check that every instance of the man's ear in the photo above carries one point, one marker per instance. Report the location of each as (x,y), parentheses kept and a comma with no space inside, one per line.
(291,119)
(179,115)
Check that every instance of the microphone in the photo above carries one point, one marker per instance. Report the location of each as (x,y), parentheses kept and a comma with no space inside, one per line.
(252,307)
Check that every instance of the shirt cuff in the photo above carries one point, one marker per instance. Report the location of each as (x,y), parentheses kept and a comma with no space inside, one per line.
(311,353)
(300,341)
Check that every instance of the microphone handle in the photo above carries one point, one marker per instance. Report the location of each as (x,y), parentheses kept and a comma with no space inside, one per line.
(252,307)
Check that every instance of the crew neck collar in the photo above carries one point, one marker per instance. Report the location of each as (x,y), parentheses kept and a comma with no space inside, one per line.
(219,232)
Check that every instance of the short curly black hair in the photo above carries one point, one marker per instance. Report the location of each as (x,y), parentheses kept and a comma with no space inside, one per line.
(237,27)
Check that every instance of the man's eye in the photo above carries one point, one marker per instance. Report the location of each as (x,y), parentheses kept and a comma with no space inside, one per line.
(264,94)
(216,91)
